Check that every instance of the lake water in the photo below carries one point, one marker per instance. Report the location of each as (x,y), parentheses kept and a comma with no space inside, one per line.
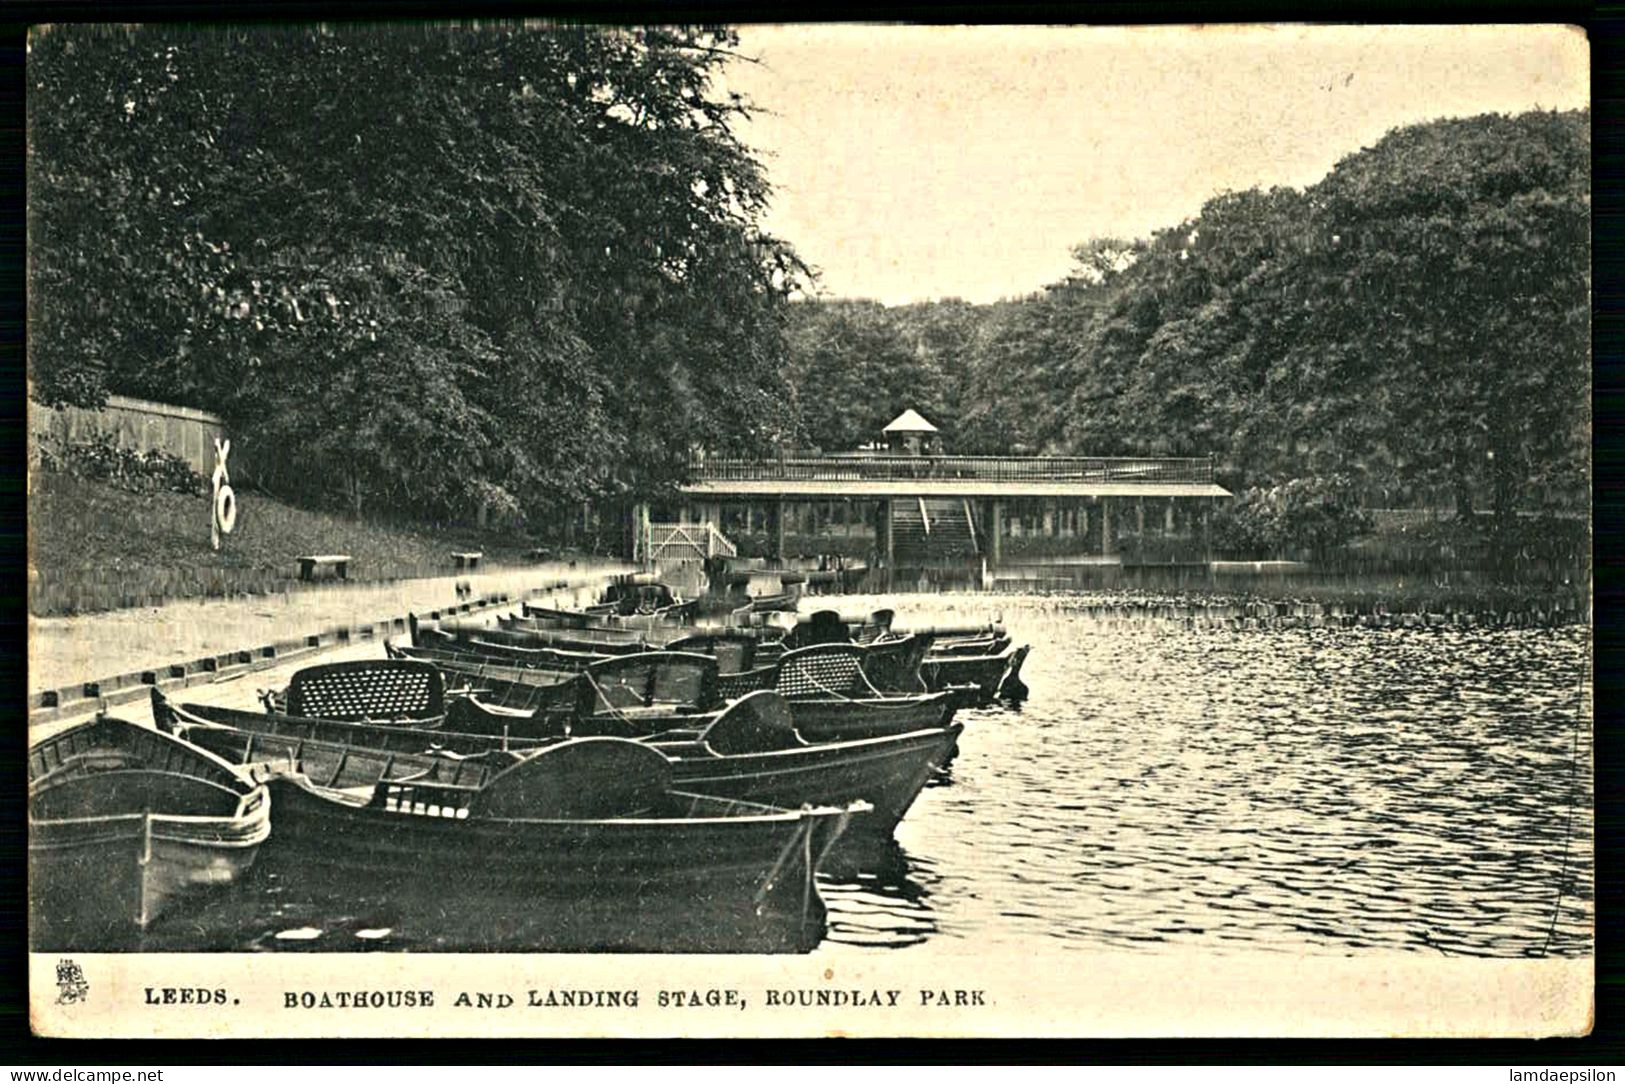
(1164,789)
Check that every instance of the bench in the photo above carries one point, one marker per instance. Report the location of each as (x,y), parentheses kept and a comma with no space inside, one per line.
(470,561)
(339,562)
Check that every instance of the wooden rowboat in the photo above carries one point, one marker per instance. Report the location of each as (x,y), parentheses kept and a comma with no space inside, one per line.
(993,677)
(465,653)
(123,822)
(593,820)
(832,696)
(525,643)
(751,750)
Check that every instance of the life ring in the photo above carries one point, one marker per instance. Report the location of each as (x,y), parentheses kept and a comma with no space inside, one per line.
(225,509)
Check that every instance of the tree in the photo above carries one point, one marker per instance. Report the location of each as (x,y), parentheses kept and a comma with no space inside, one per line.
(443,269)
(1460,256)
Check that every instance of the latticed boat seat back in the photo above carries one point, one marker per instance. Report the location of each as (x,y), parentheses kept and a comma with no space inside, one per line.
(655,677)
(821,671)
(734,686)
(368,689)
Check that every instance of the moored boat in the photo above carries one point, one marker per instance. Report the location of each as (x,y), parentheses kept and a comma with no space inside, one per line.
(750,750)
(595,820)
(470,654)
(123,822)
(252,737)
(526,643)
(833,698)
(992,677)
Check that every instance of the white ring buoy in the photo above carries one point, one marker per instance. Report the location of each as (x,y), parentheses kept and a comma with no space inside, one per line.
(225,509)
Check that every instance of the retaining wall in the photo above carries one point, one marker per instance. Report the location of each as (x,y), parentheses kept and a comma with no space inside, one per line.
(137,424)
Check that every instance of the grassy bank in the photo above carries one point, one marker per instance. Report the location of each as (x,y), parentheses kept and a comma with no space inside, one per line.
(96,547)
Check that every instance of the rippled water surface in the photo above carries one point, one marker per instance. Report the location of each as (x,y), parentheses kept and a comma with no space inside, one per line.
(1163,789)
(1305,790)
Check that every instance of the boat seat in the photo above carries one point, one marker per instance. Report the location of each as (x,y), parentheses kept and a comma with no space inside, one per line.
(758,723)
(367,689)
(824,670)
(580,779)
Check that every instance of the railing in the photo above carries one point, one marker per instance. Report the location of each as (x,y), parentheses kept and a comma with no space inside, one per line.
(828,468)
(687,542)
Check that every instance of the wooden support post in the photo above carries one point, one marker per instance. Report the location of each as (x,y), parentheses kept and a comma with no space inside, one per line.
(884,526)
(640,532)
(779,511)
(1106,527)
(996,532)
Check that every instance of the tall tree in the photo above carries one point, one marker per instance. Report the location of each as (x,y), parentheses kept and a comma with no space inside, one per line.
(1454,259)
(441,268)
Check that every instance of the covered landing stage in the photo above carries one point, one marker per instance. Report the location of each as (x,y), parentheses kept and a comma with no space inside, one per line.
(1108,485)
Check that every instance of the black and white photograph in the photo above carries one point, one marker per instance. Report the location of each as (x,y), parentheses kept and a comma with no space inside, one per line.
(791,530)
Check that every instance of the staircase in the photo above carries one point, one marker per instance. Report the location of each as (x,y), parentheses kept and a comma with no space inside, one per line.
(932,532)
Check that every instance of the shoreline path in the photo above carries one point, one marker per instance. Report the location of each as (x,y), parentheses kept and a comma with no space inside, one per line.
(64,651)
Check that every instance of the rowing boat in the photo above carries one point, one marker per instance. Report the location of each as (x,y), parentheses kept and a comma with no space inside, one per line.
(832,697)
(751,750)
(993,677)
(123,822)
(596,821)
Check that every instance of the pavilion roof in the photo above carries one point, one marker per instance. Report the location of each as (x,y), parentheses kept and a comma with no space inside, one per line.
(909,422)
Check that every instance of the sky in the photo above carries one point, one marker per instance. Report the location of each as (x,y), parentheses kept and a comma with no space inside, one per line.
(915,163)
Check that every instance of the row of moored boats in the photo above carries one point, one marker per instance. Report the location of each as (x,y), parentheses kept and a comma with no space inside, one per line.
(595,756)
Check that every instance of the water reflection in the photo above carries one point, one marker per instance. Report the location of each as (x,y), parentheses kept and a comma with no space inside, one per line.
(289,905)
(877,894)
(1169,787)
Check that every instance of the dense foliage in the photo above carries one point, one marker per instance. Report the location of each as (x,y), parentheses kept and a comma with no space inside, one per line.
(103,459)
(446,270)
(1415,324)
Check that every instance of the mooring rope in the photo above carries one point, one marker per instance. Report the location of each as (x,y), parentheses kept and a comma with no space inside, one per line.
(1568,831)
(778,865)
(604,697)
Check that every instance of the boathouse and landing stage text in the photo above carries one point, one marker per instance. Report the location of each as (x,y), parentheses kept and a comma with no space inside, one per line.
(711,998)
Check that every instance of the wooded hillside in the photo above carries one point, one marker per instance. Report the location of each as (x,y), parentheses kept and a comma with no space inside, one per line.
(1416,322)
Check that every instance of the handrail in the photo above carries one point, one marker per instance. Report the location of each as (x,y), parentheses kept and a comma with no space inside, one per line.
(698,540)
(813,467)
(925,520)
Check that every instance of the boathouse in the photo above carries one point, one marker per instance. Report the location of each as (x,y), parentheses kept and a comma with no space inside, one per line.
(905,504)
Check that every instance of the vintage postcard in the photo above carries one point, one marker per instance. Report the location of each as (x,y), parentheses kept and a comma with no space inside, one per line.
(801,531)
